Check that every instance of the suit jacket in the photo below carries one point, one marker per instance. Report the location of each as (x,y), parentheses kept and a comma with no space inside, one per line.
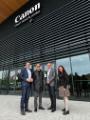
(51,77)
(24,76)
(38,77)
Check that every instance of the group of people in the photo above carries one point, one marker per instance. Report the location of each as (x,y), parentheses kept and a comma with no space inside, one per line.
(36,78)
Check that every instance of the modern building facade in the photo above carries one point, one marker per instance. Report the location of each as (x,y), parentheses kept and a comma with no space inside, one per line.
(60,33)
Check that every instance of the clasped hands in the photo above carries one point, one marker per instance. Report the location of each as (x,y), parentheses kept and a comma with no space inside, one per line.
(30,80)
(48,82)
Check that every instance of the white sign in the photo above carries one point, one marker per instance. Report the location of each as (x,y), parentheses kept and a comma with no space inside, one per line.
(28,14)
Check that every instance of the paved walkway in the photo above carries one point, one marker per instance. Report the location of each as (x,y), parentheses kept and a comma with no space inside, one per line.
(9,110)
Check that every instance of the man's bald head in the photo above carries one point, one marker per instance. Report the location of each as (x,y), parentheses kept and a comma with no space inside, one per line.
(49,65)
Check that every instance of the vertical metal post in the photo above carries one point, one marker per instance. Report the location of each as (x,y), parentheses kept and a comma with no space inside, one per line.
(72,74)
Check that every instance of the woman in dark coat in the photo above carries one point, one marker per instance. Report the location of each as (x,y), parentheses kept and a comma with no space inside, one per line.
(64,88)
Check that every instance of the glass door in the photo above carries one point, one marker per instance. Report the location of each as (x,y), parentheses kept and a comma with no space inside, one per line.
(4,81)
(14,82)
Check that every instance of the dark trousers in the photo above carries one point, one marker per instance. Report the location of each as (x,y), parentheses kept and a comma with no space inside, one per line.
(25,97)
(52,95)
(36,95)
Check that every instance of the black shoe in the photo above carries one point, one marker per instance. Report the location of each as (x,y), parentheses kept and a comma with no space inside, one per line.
(53,110)
(35,109)
(63,109)
(23,112)
(40,107)
(49,108)
(66,112)
(27,110)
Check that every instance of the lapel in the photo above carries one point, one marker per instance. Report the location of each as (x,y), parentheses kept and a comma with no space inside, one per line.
(26,72)
(50,73)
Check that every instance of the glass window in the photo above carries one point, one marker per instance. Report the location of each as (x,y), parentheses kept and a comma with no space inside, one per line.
(12,74)
(1,72)
(66,63)
(81,64)
(5,74)
(81,74)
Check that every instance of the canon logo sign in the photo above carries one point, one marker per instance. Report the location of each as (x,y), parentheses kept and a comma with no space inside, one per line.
(27,14)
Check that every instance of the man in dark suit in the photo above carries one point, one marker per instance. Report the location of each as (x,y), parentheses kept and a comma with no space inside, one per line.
(51,86)
(26,80)
(38,81)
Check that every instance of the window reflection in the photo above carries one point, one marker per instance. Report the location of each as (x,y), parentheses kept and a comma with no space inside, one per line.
(81,74)
(81,64)
(5,81)
(1,72)
(66,63)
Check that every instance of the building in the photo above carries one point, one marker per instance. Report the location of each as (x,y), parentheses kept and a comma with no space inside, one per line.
(59,33)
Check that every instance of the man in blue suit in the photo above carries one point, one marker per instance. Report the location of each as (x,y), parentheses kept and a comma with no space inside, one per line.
(26,81)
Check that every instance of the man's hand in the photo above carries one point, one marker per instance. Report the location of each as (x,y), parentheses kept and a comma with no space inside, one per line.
(48,82)
(30,80)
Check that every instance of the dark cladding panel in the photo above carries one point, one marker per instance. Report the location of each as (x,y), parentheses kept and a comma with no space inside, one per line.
(62,33)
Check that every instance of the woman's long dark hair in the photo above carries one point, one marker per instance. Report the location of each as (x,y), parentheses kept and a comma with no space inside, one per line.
(64,71)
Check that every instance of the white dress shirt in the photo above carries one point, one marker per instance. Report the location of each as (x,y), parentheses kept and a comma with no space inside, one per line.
(29,73)
(48,74)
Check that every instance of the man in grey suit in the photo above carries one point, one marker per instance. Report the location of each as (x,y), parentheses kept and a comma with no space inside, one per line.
(51,87)
(38,81)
